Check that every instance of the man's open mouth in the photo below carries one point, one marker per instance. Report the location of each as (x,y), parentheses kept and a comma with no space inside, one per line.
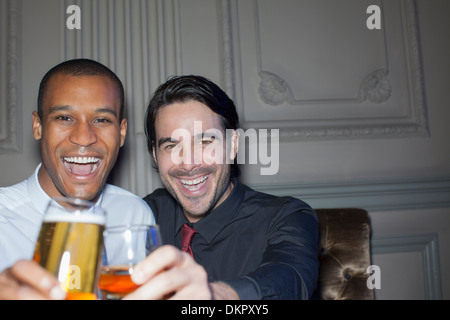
(195,184)
(81,166)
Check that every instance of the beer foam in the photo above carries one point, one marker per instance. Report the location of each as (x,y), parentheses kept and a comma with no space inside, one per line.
(73,218)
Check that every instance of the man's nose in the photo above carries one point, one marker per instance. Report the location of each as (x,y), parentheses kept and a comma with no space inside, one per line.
(83,134)
(191,157)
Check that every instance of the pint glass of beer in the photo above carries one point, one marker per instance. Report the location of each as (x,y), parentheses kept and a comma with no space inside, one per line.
(70,245)
(125,246)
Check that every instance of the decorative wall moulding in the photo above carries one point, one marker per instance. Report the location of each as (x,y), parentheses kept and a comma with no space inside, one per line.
(428,247)
(376,87)
(372,195)
(10,62)
(274,91)
(315,71)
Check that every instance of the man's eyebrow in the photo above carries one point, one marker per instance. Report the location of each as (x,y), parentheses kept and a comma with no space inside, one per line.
(207,134)
(59,108)
(161,141)
(68,108)
(106,110)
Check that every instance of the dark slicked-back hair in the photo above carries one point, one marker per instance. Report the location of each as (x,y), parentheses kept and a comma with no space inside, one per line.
(79,68)
(180,89)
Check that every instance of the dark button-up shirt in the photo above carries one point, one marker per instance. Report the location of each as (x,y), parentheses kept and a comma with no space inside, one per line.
(263,246)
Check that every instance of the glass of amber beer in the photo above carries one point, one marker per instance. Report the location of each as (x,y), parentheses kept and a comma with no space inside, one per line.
(70,245)
(125,246)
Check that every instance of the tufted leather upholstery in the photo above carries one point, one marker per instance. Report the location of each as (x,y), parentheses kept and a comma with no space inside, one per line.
(344,254)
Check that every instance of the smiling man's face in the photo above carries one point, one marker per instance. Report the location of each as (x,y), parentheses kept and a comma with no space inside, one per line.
(80,134)
(198,186)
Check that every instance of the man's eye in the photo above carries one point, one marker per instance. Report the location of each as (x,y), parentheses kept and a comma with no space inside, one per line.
(169,146)
(103,120)
(63,118)
(207,140)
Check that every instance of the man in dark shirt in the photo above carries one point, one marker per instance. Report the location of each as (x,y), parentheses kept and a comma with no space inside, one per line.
(252,245)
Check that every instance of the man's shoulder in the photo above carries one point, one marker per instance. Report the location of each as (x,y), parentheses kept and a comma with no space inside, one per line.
(13,194)
(158,195)
(270,202)
(111,189)
(123,206)
(161,202)
(270,199)
(115,194)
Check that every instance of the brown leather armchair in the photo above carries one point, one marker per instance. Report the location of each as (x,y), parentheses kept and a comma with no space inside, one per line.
(344,254)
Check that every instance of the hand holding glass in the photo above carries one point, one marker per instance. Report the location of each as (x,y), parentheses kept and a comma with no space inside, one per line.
(125,246)
(70,245)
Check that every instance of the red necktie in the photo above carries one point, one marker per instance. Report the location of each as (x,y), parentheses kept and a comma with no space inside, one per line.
(187,233)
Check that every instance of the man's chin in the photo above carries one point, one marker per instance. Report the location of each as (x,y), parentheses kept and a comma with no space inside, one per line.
(193,206)
(84,194)
(195,211)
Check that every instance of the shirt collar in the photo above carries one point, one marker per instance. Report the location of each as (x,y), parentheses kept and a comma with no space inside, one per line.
(39,197)
(209,226)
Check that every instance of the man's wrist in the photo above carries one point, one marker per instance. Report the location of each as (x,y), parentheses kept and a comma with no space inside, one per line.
(222,291)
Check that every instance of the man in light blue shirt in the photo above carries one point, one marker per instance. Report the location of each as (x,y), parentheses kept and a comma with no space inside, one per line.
(80,125)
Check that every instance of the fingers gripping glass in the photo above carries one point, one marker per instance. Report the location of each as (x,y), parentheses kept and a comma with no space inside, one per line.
(125,246)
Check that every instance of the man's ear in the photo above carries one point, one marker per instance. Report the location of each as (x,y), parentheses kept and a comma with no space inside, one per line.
(123,131)
(154,154)
(234,145)
(37,126)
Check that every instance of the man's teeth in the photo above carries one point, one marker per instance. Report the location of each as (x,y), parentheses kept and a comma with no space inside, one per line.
(195,184)
(81,160)
(195,181)
(81,165)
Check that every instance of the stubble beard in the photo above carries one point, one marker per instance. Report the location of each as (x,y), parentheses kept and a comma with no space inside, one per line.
(197,208)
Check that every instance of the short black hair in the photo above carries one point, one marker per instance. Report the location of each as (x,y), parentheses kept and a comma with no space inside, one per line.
(191,88)
(78,68)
